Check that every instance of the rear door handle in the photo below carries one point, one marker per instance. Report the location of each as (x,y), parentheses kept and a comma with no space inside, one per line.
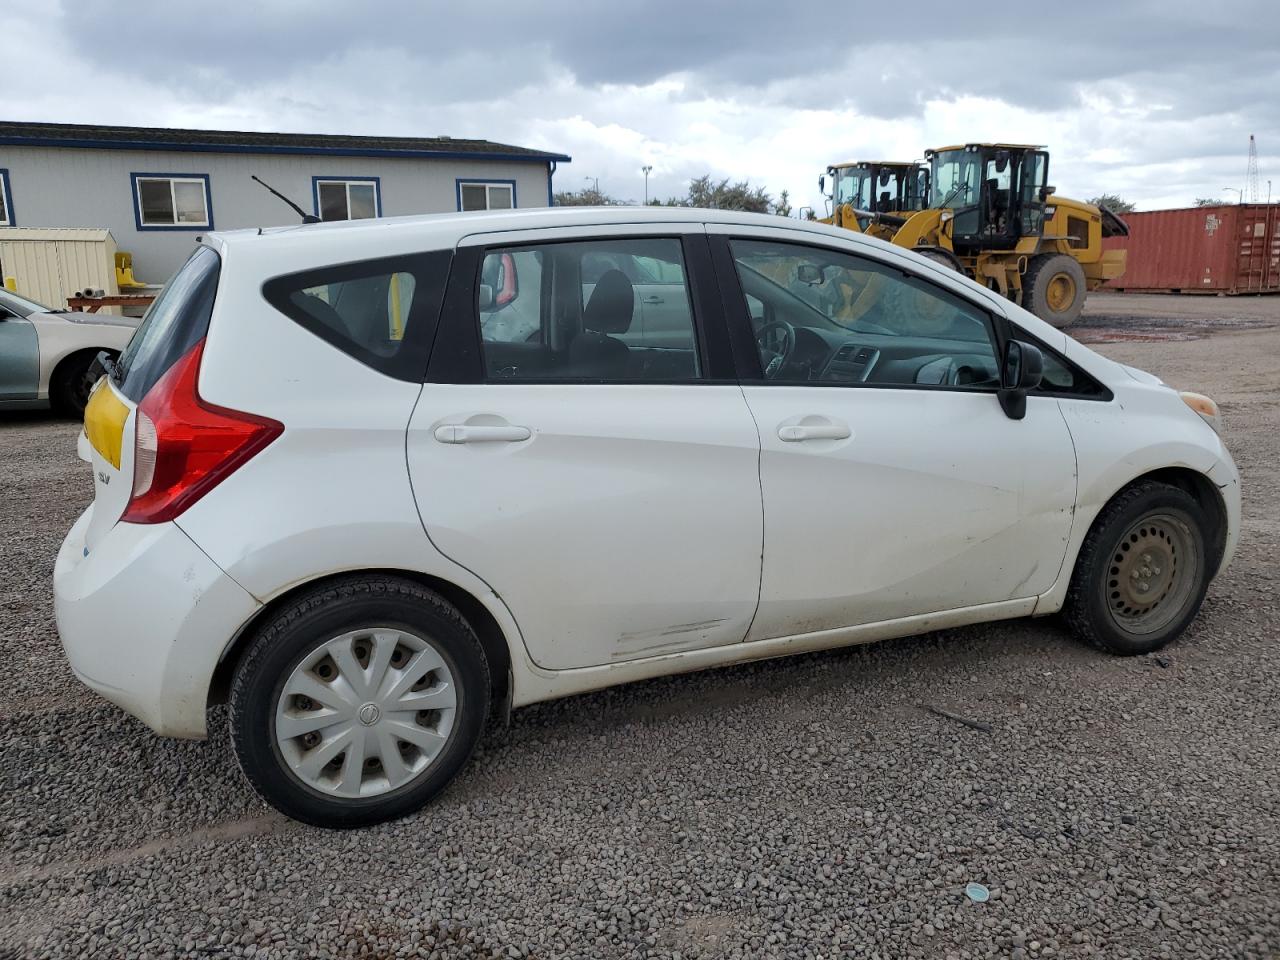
(651,299)
(813,428)
(481,433)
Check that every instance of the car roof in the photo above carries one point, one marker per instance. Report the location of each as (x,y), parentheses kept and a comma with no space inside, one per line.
(445,230)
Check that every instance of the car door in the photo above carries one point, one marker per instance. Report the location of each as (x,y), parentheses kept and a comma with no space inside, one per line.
(610,499)
(894,485)
(19,357)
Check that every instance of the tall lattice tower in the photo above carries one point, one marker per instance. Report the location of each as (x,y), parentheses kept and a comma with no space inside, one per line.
(1252,193)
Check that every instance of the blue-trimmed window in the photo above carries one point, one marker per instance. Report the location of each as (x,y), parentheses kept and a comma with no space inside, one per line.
(486,194)
(6,200)
(172,201)
(346,198)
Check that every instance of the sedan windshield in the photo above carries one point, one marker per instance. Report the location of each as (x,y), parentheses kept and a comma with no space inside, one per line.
(22,306)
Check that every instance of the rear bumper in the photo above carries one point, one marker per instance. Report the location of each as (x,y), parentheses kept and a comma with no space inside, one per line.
(144,618)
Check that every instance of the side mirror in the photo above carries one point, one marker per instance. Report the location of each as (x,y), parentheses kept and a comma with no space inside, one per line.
(1021,370)
(822,184)
(1046,192)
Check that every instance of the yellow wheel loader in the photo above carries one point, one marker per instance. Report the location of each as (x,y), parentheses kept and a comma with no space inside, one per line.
(992,215)
(871,196)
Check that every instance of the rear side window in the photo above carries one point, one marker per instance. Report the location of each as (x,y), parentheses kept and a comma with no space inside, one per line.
(380,312)
(613,311)
(174,323)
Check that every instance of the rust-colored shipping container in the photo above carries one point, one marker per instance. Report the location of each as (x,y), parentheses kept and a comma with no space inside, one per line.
(1232,248)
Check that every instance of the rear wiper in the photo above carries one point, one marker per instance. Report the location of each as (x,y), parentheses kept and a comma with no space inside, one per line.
(306,217)
(104,364)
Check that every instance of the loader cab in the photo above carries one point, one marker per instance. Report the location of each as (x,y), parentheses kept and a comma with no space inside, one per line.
(881,187)
(995,193)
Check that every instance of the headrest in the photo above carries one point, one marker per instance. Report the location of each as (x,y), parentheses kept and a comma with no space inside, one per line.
(611,305)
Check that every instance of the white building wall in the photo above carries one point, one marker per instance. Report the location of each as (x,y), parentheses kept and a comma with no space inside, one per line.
(89,187)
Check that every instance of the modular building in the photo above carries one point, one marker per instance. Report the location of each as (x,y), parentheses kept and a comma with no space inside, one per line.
(155,189)
(1229,249)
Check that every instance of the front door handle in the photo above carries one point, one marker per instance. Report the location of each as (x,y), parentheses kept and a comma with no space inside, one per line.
(481,433)
(813,428)
(652,299)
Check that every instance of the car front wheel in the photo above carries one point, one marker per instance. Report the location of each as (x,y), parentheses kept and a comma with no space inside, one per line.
(359,702)
(1142,572)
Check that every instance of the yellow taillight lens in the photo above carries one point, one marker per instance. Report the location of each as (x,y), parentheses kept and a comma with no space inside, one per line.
(104,420)
(1207,409)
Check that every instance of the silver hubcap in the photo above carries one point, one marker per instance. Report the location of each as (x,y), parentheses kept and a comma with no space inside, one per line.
(365,713)
(1152,574)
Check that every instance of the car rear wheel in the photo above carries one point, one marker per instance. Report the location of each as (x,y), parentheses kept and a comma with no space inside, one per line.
(359,702)
(1142,572)
(70,385)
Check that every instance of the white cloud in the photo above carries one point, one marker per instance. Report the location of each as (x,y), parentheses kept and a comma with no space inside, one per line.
(1156,108)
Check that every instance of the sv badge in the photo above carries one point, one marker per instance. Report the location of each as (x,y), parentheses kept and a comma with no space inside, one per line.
(104,477)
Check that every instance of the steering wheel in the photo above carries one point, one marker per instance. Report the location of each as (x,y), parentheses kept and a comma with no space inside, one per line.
(777,341)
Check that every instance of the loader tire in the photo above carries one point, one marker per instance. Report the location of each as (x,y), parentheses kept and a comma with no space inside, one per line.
(1053,288)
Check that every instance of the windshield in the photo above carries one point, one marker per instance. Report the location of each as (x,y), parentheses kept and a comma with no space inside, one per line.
(852,186)
(22,306)
(956,176)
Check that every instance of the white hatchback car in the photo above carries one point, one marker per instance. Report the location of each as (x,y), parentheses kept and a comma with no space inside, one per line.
(336,484)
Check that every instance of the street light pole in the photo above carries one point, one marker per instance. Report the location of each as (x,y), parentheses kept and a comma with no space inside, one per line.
(1238,192)
(648,169)
(596,187)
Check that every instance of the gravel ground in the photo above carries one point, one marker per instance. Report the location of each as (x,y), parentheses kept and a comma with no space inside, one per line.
(799,808)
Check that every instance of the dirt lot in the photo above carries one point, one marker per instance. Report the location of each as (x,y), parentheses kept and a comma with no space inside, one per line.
(806,808)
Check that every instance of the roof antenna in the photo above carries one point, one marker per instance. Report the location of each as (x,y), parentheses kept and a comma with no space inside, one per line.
(306,217)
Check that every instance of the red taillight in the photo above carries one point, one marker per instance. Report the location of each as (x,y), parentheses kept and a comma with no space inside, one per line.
(184,446)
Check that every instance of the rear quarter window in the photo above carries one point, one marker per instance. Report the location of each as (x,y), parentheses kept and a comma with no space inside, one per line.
(175,322)
(382,312)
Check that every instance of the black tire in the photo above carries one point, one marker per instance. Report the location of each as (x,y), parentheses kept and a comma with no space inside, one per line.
(1047,274)
(940,256)
(296,630)
(69,386)
(1110,570)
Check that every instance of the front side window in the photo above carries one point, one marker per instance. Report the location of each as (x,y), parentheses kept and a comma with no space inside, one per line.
(599,310)
(6,202)
(347,199)
(1034,176)
(172,202)
(825,316)
(486,195)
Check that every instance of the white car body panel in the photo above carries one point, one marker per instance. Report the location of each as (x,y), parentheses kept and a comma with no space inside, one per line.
(62,335)
(902,519)
(585,510)
(342,489)
(154,659)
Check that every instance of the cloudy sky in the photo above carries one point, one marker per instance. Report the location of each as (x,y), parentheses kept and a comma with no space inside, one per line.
(1151,100)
